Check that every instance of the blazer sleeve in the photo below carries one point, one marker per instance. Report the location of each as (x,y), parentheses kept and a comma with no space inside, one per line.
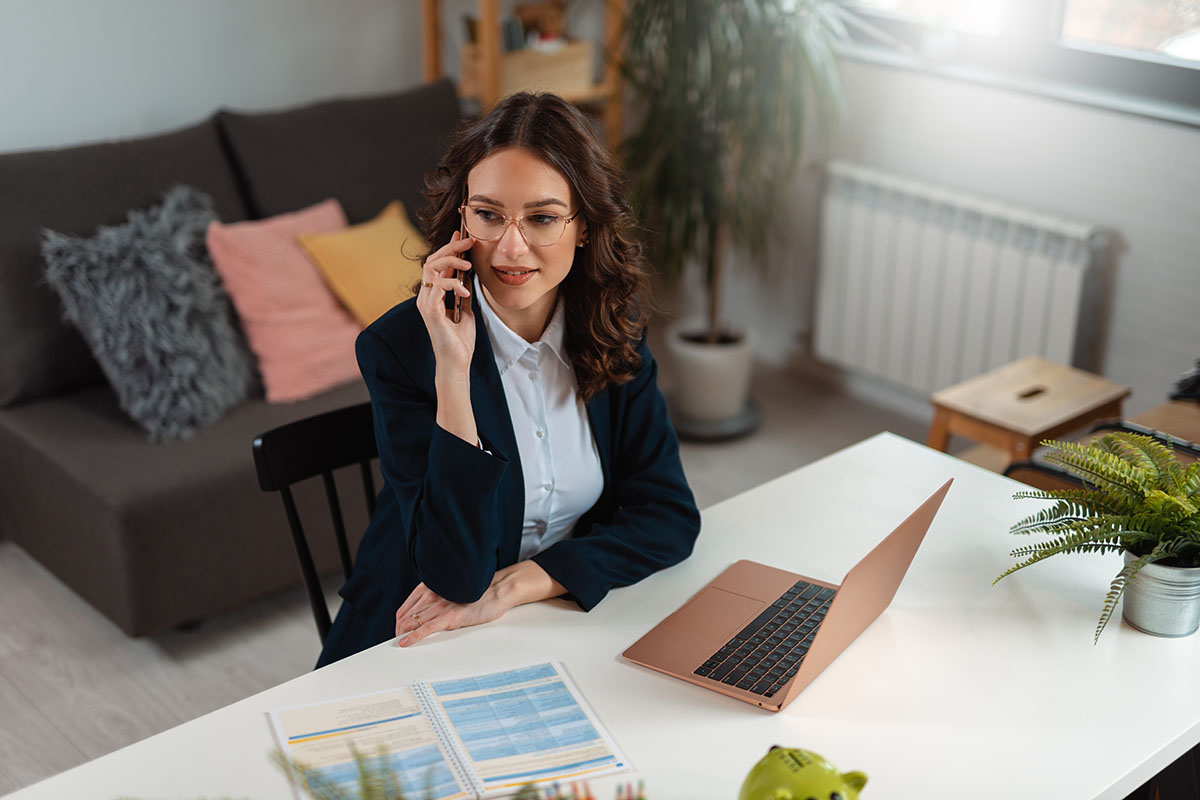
(445,487)
(653,521)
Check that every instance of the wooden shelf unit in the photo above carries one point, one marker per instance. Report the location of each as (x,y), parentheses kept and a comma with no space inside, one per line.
(608,93)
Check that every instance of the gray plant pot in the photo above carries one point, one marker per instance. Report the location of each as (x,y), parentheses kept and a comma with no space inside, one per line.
(712,381)
(1163,601)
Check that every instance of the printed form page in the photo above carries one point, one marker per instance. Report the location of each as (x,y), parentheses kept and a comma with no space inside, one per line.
(526,724)
(320,735)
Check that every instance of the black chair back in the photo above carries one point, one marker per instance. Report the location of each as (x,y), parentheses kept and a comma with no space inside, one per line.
(1044,475)
(1186,451)
(304,449)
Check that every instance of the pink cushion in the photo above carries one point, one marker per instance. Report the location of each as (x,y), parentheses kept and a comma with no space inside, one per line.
(302,336)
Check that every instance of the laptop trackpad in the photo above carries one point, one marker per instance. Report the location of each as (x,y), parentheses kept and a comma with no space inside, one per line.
(714,614)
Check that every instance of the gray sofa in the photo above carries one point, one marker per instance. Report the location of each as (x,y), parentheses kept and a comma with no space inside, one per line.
(154,535)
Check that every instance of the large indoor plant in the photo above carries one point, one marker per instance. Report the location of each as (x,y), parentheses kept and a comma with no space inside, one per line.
(1139,500)
(722,89)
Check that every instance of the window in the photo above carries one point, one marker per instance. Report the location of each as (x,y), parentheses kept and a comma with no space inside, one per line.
(1141,55)
(1163,30)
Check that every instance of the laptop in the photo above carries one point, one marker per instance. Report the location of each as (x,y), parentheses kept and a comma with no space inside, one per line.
(761,634)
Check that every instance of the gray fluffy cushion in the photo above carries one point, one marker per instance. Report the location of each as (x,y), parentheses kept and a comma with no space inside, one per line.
(150,306)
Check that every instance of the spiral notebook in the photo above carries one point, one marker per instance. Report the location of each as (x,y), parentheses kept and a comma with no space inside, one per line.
(481,736)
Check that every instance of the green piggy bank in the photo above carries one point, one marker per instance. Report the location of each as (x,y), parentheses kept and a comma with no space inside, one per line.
(786,773)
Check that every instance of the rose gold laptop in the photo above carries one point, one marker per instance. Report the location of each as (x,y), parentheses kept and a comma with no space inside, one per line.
(762,634)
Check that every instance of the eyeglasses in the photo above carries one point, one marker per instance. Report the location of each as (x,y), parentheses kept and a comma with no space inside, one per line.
(538,230)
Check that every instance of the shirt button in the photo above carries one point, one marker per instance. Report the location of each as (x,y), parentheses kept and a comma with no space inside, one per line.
(533,376)
(541,434)
(541,526)
(549,487)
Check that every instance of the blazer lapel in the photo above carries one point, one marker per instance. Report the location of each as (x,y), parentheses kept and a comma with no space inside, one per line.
(494,423)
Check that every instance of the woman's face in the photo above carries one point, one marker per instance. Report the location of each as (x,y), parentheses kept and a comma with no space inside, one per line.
(521,281)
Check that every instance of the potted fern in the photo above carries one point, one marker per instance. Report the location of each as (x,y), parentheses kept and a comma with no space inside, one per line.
(722,89)
(1139,500)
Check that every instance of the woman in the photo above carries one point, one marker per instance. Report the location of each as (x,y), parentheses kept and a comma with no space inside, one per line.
(525,449)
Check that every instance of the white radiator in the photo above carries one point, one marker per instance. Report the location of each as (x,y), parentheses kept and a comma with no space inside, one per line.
(926,287)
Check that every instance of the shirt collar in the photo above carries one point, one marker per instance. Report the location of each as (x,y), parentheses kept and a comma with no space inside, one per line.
(508,346)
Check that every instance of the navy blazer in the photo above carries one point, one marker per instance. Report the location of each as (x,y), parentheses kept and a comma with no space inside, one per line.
(450,514)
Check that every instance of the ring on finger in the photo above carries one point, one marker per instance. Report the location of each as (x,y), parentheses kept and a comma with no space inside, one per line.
(427,284)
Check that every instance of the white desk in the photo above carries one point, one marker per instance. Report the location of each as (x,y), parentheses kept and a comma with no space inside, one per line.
(960,689)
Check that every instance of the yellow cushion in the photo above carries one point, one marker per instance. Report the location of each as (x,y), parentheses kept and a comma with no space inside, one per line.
(372,266)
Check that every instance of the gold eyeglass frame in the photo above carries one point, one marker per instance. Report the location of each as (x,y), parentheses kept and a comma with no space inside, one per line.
(519,221)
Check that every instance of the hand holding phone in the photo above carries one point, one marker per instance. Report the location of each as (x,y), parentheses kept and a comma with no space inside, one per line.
(452,333)
(453,301)
(442,279)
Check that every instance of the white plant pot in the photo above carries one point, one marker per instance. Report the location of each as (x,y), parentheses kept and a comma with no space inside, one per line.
(1163,601)
(712,380)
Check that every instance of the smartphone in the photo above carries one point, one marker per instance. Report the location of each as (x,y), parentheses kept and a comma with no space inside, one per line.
(454,301)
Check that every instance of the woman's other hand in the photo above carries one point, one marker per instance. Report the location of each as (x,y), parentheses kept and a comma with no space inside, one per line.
(453,342)
(424,612)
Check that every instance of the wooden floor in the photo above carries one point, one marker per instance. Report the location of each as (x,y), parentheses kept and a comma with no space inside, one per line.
(73,687)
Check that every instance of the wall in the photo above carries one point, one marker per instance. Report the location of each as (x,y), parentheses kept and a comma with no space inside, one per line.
(1137,176)
(78,70)
(75,71)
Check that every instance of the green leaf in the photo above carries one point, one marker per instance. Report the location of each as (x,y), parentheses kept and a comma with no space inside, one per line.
(1189,484)
(1150,455)
(1074,541)
(1065,510)
(1091,499)
(1169,506)
(1102,469)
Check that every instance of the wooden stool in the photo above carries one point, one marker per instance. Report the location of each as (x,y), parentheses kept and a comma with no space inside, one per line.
(1015,406)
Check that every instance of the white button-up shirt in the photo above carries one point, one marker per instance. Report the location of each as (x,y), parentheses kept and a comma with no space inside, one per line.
(559,459)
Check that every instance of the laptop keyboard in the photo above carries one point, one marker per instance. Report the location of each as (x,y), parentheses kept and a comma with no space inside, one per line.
(765,654)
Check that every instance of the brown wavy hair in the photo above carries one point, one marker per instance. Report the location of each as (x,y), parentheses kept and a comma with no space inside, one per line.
(605,292)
